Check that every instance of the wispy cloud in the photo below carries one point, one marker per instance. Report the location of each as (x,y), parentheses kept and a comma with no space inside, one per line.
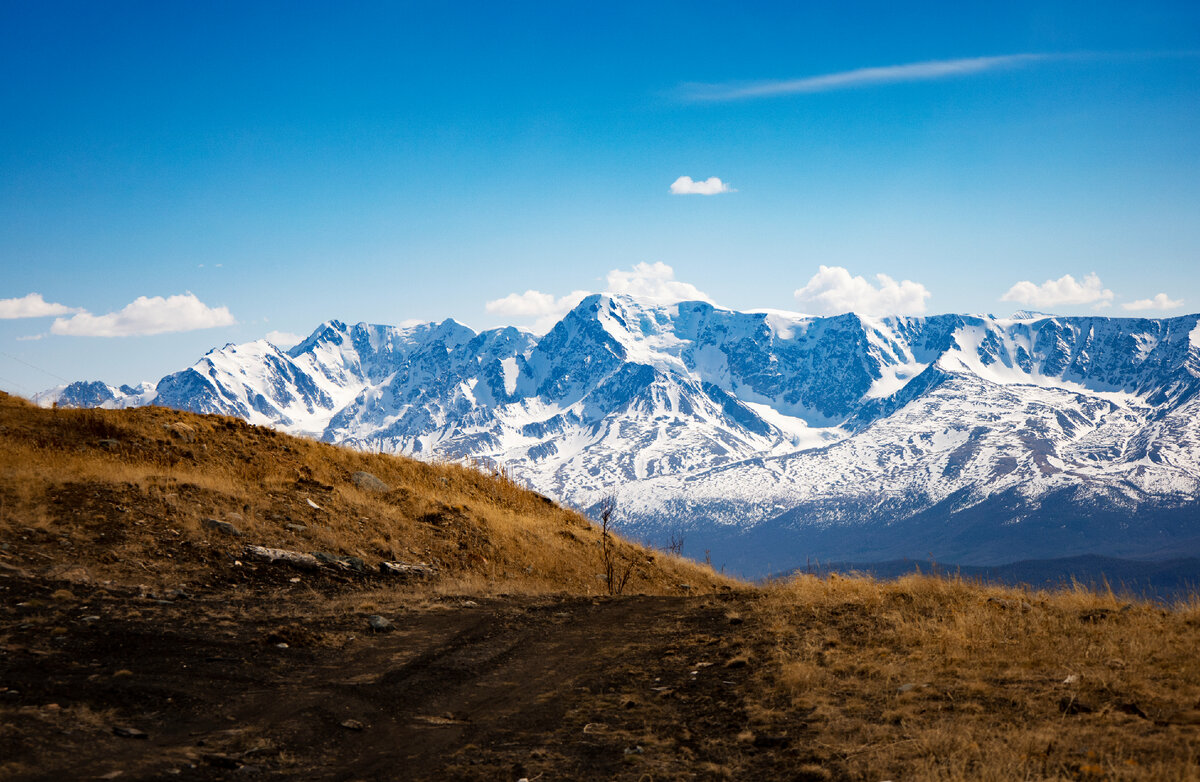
(1064,292)
(685,185)
(833,290)
(860,77)
(146,315)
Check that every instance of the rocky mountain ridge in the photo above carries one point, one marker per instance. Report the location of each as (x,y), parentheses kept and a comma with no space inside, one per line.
(768,434)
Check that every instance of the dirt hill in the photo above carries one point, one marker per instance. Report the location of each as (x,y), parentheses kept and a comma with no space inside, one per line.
(187,597)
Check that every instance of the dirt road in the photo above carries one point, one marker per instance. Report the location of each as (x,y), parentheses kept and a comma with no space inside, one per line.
(291,684)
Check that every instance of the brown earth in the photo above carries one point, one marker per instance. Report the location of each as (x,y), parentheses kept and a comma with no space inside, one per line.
(485,688)
(141,638)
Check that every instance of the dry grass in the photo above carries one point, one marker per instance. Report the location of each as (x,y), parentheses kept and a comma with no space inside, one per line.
(124,494)
(928,678)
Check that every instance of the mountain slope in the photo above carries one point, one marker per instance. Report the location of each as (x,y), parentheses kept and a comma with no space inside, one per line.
(807,436)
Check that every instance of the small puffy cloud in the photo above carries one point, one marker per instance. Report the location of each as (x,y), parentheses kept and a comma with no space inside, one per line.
(545,308)
(32,306)
(284,339)
(654,281)
(1159,302)
(832,290)
(1066,291)
(685,185)
(146,315)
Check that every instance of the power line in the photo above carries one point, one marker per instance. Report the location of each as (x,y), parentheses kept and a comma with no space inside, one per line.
(33,366)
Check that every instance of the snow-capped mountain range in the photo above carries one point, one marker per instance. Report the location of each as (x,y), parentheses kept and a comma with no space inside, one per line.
(768,438)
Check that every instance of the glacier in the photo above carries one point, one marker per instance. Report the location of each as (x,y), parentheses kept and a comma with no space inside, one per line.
(767,438)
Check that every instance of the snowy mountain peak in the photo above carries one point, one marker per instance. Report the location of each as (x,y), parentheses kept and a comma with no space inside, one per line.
(764,419)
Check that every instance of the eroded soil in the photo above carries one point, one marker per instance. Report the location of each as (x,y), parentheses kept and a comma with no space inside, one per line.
(287,681)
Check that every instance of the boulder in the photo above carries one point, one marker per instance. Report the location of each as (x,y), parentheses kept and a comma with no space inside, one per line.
(406,570)
(294,558)
(367,481)
(221,526)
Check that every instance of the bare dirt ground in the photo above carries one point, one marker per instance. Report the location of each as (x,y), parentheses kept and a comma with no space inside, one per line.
(290,683)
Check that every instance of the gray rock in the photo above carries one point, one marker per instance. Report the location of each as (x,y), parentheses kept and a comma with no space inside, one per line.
(367,481)
(296,527)
(352,725)
(341,562)
(109,444)
(379,625)
(223,527)
(406,570)
(129,733)
(294,558)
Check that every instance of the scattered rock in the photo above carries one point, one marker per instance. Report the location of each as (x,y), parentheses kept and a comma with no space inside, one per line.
(1094,616)
(296,527)
(378,624)
(635,750)
(367,481)
(1072,705)
(340,562)
(129,733)
(221,526)
(109,444)
(312,504)
(686,587)
(234,518)
(352,725)
(1072,679)
(181,431)
(295,558)
(407,570)
(1131,708)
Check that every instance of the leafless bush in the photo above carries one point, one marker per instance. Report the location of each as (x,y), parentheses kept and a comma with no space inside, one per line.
(616,571)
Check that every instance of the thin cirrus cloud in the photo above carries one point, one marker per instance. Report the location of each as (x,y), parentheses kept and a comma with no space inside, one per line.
(32,306)
(653,281)
(860,77)
(1066,291)
(833,290)
(144,316)
(685,185)
(1160,302)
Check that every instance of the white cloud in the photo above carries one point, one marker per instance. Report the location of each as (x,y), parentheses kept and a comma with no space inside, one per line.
(146,315)
(283,339)
(832,290)
(1063,292)
(1159,302)
(654,281)
(861,77)
(544,307)
(32,306)
(685,185)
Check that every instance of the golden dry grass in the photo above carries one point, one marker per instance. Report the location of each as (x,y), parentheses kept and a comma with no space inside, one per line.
(124,493)
(933,678)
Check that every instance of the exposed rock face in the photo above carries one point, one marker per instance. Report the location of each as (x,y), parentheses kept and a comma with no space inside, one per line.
(799,436)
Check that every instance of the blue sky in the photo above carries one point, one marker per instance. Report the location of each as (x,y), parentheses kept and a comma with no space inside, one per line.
(215,172)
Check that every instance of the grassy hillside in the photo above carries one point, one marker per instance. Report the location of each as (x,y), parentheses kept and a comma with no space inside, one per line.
(142,639)
(126,495)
